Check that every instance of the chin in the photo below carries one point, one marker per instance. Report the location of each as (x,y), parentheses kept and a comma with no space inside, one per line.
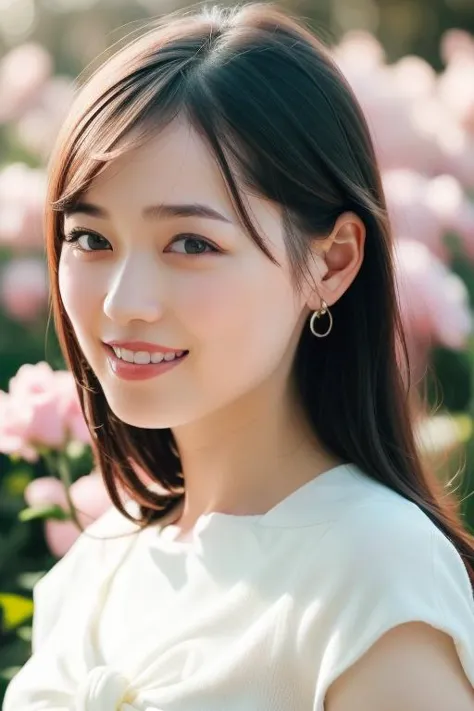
(136,415)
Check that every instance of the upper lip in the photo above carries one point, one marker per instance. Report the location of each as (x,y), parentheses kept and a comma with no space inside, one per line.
(142,346)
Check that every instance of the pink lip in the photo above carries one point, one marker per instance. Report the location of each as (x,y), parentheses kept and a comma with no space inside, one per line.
(133,371)
(143,346)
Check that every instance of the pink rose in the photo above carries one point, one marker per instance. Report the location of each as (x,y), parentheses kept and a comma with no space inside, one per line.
(35,387)
(13,424)
(89,496)
(70,408)
(40,409)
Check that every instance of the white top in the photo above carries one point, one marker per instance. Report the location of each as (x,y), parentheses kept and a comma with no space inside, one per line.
(255,613)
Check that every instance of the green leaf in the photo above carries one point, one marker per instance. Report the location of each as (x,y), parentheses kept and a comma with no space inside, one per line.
(25,633)
(16,610)
(8,673)
(47,511)
(27,581)
(16,482)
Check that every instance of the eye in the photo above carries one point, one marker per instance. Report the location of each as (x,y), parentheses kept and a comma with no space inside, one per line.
(194,245)
(86,241)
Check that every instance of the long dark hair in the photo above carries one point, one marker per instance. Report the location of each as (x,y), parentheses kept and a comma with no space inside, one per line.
(281,119)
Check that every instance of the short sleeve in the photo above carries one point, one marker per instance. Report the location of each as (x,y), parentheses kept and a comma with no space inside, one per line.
(395,566)
(63,601)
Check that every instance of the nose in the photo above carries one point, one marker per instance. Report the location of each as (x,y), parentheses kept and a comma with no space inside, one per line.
(132,292)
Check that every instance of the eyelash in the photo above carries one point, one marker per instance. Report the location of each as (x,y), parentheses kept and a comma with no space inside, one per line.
(73,236)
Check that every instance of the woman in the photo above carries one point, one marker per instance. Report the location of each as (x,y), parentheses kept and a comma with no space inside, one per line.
(222,281)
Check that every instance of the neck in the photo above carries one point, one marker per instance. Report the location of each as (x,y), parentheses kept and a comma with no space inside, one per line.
(246,458)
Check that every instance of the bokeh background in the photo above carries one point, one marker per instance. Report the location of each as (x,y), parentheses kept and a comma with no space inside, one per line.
(411,64)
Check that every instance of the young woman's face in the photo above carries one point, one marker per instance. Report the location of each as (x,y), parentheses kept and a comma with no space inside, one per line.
(185,276)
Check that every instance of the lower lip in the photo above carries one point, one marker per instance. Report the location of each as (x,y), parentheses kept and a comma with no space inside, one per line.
(133,371)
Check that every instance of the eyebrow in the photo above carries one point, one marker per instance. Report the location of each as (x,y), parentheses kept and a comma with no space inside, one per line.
(152,211)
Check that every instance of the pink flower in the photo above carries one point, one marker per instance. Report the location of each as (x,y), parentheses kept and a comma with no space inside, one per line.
(89,496)
(410,215)
(445,196)
(13,423)
(456,43)
(455,86)
(434,302)
(35,386)
(24,288)
(23,73)
(46,490)
(426,209)
(418,119)
(40,409)
(390,96)
(38,127)
(70,408)
(22,195)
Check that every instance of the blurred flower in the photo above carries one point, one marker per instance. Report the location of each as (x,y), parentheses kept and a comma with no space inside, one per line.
(24,288)
(23,72)
(410,216)
(456,85)
(70,408)
(41,409)
(389,96)
(426,209)
(455,43)
(413,78)
(12,440)
(443,433)
(418,120)
(22,195)
(434,302)
(446,197)
(89,497)
(359,53)
(38,127)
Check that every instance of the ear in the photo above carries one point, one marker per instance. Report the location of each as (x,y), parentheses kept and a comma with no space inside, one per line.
(338,259)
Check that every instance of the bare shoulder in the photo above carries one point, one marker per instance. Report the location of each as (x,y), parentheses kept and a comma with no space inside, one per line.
(413,667)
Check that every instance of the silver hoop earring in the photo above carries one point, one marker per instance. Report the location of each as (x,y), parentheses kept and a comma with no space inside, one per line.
(316,315)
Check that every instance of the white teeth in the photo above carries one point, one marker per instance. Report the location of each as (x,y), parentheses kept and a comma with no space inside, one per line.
(144,357)
(141,358)
(127,355)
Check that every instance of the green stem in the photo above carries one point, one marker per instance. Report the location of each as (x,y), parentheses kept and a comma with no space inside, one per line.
(60,467)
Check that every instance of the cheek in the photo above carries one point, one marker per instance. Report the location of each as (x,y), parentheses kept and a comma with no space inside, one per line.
(77,293)
(242,318)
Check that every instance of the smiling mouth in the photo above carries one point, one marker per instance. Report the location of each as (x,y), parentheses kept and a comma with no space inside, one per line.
(142,357)
(127,370)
